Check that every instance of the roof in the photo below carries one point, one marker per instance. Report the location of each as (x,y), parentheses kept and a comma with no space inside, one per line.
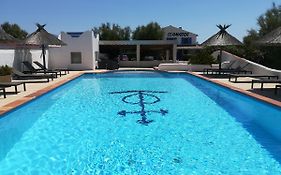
(177,29)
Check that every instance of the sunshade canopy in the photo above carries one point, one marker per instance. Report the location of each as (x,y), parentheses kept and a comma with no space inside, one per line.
(5,37)
(272,38)
(42,37)
(222,38)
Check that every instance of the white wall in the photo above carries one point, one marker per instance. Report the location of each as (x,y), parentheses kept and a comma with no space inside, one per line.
(95,41)
(251,66)
(86,43)
(15,57)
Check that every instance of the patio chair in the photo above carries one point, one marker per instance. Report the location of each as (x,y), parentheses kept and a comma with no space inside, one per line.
(60,70)
(32,69)
(21,76)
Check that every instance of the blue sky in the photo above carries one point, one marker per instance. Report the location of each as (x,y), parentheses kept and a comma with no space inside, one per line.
(197,16)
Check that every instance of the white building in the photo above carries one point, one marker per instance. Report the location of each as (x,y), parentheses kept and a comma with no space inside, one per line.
(80,53)
(183,37)
(141,53)
(176,43)
(83,48)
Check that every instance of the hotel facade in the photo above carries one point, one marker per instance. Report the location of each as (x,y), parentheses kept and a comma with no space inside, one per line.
(85,51)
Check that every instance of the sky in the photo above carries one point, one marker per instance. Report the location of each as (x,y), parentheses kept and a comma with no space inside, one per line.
(196,16)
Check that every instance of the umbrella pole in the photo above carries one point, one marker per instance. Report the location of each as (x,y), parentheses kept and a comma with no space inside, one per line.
(44,59)
(220,58)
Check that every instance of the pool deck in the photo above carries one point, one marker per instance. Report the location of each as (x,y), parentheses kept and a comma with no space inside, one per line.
(34,90)
(267,94)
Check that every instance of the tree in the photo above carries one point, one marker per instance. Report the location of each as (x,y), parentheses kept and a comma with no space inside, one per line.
(267,22)
(151,31)
(270,20)
(14,30)
(113,32)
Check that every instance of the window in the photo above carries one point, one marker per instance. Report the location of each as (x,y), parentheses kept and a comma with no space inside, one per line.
(76,57)
(186,41)
(171,38)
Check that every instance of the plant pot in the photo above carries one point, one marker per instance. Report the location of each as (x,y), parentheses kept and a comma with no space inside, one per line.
(5,78)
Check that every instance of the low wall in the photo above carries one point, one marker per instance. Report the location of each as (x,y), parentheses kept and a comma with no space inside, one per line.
(173,67)
(251,66)
(183,67)
(144,64)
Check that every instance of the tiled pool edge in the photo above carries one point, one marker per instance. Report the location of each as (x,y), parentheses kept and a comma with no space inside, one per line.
(14,104)
(242,91)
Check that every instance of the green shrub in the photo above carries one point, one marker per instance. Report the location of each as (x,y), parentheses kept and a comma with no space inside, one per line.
(202,57)
(5,70)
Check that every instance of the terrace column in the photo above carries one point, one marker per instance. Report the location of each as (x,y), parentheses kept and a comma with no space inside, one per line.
(174,52)
(167,55)
(138,53)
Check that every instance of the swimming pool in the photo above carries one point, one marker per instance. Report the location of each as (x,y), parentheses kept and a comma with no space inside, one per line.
(141,123)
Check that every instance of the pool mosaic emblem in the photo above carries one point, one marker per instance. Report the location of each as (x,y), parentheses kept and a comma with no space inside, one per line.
(141,98)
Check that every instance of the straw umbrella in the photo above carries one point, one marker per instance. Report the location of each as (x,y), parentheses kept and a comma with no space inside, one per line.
(42,38)
(273,38)
(7,39)
(222,38)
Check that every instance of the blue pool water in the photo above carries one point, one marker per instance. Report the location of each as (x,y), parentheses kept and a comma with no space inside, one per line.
(141,123)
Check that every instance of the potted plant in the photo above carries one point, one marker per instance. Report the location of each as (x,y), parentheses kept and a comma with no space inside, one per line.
(5,73)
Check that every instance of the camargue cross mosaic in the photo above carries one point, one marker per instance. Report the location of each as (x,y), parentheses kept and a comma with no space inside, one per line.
(141,98)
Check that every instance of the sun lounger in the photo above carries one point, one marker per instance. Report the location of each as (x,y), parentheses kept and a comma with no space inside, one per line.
(229,71)
(21,76)
(215,67)
(262,81)
(278,86)
(238,70)
(236,76)
(65,70)
(4,91)
(15,84)
(34,70)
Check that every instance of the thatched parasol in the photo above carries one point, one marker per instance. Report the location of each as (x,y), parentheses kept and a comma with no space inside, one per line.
(272,38)
(42,38)
(222,38)
(5,38)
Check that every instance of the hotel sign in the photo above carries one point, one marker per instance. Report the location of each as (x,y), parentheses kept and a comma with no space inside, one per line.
(176,34)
